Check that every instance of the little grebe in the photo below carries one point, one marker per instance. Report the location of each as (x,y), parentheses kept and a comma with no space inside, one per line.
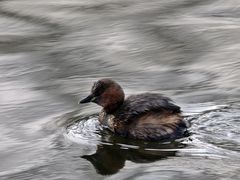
(147,116)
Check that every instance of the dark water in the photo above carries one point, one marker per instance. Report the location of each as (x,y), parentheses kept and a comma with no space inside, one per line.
(52,51)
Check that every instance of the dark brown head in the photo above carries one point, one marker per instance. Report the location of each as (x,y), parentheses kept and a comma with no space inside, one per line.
(106,93)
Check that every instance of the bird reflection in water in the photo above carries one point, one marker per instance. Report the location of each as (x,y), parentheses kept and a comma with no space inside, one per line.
(109,159)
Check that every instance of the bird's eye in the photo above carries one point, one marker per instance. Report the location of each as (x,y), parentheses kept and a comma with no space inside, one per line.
(94,86)
(97,88)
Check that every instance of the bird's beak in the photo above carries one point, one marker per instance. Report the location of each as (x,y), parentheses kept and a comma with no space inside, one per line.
(88,99)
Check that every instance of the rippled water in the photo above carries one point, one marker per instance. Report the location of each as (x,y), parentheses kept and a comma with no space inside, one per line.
(52,51)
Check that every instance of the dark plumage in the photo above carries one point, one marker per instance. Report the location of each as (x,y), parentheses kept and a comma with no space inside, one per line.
(137,105)
(147,116)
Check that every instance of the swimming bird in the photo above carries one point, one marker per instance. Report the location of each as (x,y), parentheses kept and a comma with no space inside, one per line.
(146,116)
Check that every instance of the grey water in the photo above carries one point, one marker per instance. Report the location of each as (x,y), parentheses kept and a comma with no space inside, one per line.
(51,51)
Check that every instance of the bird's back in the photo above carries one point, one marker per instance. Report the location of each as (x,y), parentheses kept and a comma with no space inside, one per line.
(148,116)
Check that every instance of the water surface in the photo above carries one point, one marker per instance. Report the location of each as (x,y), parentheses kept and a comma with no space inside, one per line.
(52,51)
